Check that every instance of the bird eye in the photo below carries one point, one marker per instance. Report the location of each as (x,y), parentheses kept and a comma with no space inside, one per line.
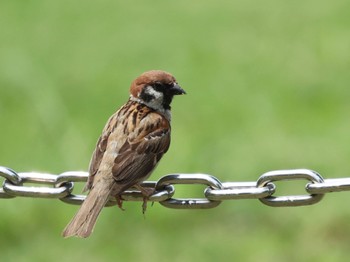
(158,86)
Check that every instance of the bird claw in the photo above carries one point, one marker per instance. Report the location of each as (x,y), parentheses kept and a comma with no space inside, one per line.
(144,205)
(119,202)
(146,193)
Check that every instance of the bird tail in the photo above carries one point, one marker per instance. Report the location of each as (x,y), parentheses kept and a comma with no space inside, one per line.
(84,220)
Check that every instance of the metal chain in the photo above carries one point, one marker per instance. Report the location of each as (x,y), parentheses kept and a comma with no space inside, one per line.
(62,186)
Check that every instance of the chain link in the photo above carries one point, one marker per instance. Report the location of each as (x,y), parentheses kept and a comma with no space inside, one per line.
(41,185)
(295,200)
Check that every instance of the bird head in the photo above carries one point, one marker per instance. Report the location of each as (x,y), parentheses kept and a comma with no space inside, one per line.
(155,89)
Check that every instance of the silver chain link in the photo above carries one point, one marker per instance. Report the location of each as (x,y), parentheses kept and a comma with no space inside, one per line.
(61,187)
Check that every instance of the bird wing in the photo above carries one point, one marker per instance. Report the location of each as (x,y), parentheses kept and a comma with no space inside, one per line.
(139,156)
(100,149)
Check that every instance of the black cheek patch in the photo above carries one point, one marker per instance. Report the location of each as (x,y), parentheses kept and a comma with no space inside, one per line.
(146,97)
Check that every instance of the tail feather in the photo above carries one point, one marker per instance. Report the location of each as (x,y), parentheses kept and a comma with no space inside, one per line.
(84,221)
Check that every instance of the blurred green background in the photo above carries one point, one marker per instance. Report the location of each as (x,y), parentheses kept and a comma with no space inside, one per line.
(268,88)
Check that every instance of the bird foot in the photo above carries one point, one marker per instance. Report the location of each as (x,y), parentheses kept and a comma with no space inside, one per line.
(119,202)
(146,193)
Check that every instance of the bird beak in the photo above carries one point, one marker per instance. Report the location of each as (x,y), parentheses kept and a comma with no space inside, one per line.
(177,90)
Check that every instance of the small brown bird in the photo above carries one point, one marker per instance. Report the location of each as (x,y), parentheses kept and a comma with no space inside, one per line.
(133,141)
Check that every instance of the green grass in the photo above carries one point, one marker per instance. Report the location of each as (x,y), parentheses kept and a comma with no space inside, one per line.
(267,86)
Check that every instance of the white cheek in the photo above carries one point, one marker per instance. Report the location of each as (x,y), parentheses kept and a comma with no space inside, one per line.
(157,95)
(157,99)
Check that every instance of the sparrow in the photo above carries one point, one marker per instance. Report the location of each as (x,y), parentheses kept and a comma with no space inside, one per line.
(131,144)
